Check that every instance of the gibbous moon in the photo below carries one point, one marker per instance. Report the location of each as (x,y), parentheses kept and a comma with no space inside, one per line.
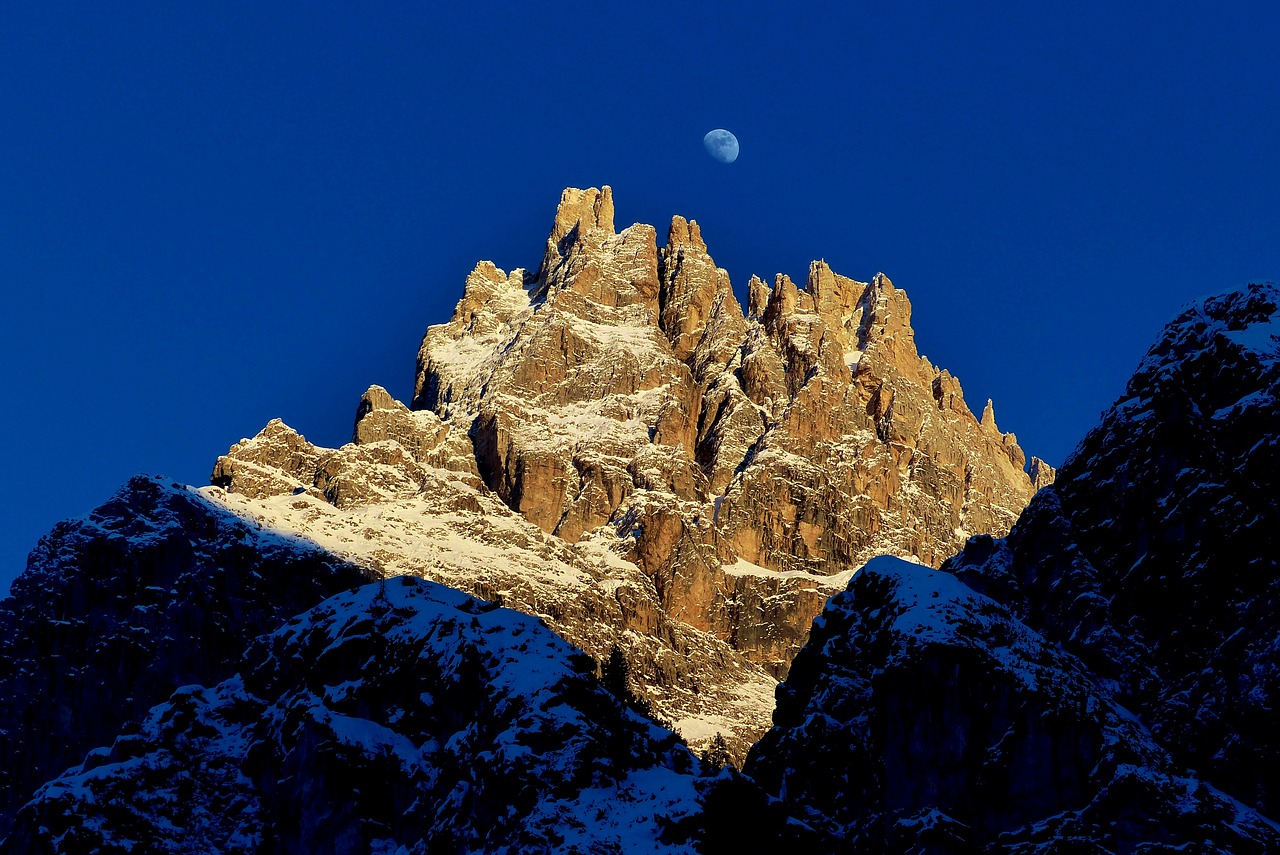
(721,145)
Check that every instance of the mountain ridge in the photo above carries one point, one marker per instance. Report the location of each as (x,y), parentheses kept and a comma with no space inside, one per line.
(480,731)
(154,588)
(1166,582)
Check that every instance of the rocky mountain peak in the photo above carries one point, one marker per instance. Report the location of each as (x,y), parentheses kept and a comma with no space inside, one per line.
(685,233)
(757,297)
(783,301)
(694,293)
(374,399)
(989,416)
(621,404)
(597,268)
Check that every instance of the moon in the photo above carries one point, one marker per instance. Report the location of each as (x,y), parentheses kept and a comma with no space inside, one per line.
(721,145)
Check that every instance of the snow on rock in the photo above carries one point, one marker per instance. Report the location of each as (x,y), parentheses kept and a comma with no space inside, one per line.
(598,440)
(1261,335)
(621,386)
(403,714)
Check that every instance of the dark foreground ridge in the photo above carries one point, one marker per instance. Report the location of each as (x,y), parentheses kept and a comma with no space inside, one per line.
(1154,556)
(923,716)
(404,714)
(155,589)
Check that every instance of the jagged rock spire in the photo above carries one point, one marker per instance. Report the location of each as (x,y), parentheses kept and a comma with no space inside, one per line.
(989,417)
(640,376)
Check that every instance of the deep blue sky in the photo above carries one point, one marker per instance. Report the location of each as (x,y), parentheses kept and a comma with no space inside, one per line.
(215,214)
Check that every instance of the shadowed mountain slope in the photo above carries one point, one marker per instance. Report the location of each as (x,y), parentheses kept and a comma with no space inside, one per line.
(154,589)
(404,716)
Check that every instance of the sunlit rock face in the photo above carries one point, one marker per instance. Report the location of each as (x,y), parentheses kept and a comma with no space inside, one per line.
(404,716)
(623,387)
(434,517)
(156,588)
(1153,558)
(693,480)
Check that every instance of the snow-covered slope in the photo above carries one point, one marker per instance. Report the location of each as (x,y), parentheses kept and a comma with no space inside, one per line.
(445,525)
(401,717)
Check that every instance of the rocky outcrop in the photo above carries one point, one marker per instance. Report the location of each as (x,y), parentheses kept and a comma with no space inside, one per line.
(1042,474)
(871,449)
(1153,556)
(404,716)
(279,461)
(154,589)
(924,717)
(622,387)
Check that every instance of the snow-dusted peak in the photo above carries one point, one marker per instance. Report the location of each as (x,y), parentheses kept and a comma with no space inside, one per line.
(616,417)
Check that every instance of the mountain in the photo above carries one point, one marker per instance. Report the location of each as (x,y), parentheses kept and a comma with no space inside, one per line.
(612,443)
(446,525)
(622,387)
(630,474)
(156,588)
(1103,679)
(401,717)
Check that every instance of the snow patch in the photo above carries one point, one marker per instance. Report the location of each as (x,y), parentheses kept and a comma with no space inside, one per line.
(1263,336)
